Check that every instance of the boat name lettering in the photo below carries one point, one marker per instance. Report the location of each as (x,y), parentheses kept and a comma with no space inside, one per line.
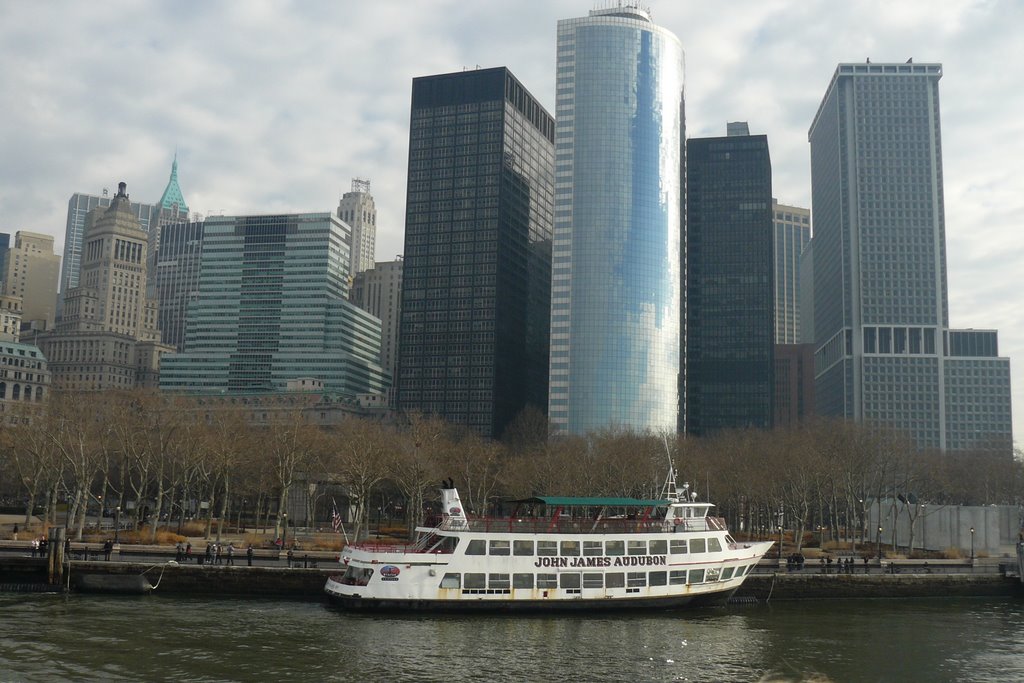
(645,560)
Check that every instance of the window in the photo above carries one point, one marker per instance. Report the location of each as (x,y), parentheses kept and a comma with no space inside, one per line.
(477,547)
(712,574)
(695,576)
(697,545)
(570,580)
(593,580)
(659,547)
(547,548)
(657,578)
(451,581)
(727,573)
(615,580)
(547,580)
(498,581)
(637,547)
(570,548)
(522,548)
(677,547)
(614,548)
(636,579)
(714,545)
(476,581)
(499,548)
(522,580)
(677,578)
(592,548)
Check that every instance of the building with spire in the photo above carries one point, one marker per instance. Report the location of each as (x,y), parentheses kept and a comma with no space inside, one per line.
(107,337)
(170,210)
(357,209)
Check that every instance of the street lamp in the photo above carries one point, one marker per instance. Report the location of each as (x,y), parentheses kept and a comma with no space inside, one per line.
(117,524)
(284,534)
(878,541)
(972,546)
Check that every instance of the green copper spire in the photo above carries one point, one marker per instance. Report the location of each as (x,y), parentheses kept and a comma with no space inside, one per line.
(172,194)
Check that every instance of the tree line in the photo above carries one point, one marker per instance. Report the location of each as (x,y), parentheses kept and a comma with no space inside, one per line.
(156,455)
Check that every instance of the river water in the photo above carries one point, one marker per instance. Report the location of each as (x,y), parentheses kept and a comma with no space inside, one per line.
(156,638)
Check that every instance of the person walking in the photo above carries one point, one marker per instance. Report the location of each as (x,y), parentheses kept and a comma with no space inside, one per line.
(248,554)
(231,554)
(209,552)
(188,551)
(15,532)
(217,549)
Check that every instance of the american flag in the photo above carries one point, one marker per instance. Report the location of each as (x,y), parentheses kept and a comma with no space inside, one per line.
(335,517)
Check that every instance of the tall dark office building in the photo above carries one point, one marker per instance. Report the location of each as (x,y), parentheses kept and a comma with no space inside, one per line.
(730,332)
(175,274)
(473,340)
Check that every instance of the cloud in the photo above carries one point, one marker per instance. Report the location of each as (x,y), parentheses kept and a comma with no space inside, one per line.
(275,106)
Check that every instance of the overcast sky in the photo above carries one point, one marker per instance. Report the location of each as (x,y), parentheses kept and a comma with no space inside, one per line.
(275,106)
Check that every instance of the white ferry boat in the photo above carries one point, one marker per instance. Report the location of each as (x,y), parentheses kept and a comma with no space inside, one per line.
(553,553)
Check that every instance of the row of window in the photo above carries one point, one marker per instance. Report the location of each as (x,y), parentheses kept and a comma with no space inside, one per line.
(573,548)
(573,581)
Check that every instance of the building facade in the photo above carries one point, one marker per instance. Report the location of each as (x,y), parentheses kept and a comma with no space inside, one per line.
(884,351)
(170,210)
(730,331)
(24,379)
(10,318)
(31,271)
(175,277)
(616,272)
(379,291)
(792,225)
(79,207)
(794,385)
(107,337)
(272,307)
(473,343)
(359,211)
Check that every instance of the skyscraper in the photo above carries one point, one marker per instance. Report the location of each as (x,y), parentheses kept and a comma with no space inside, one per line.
(476,288)
(174,274)
(379,291)
(884,350)
(615,288)
(357,208)
(107,337)
(30,271)
(730,334)
(272,308)
(79,207)
(792,233)
(170,210)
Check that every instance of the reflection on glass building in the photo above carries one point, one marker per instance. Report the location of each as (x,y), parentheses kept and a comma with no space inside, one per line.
(884,350)
(473,339)
(272,308)
(615,289)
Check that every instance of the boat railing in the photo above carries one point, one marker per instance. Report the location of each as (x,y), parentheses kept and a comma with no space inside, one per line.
(548,525)
(399,548)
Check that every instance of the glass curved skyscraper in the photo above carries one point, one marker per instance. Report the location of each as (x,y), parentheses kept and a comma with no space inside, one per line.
(615,295)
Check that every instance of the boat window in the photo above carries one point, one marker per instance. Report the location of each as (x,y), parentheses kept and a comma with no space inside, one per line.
(499,548)
(498,581)
(476,547)
(522,580)
(730,540)
(451,581)
(659,547)
(547,580)
(678,547)
(657,578)
(569,580)
(475,581)
(727,573)
(697,545)
(614,548)
(615,580)
(637,547)
(593,580)
(522,547)
(357,576)
(677,577)
(636,579)
(712,574)
(593,548)
(547,548)
(695,576)
(714,545)
(571,548)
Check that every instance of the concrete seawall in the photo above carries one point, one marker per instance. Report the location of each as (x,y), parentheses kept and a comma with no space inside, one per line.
(307,584)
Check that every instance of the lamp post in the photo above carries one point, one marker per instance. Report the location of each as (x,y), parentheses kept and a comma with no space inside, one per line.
(284,533)
(972,546)
(878,541)
(117,524)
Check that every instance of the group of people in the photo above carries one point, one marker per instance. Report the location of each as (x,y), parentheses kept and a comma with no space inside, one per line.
(216,553)
(39,545)
(843,566)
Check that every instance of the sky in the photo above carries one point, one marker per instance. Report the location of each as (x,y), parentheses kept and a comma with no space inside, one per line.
(274,106)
